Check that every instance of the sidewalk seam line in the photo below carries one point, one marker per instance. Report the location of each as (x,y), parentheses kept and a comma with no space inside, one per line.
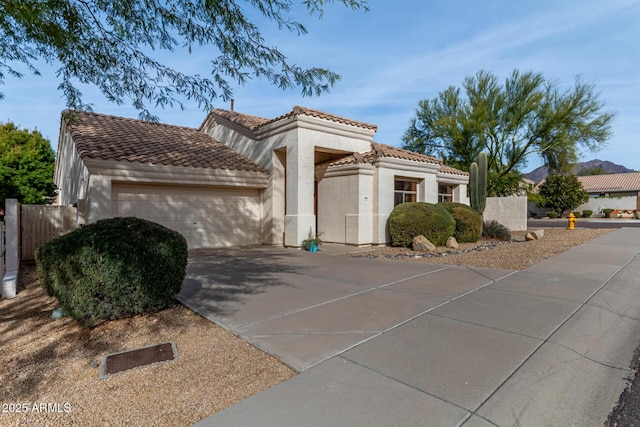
(553,333)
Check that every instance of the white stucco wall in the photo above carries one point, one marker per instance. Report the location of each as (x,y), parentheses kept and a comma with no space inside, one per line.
(508,211)
(596,204)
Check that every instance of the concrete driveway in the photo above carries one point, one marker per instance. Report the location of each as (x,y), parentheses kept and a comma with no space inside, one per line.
(381,342)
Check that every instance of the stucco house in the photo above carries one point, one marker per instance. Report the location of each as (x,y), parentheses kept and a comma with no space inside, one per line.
(619,191)
(243,180)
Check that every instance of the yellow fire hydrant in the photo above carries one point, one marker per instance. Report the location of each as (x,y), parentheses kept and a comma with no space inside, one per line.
(572,222)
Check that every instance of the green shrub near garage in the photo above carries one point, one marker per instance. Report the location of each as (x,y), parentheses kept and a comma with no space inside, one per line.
(408,220)
(113,268)
(468,222)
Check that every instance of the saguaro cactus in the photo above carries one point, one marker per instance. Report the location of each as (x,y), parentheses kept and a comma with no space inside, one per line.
(478,183)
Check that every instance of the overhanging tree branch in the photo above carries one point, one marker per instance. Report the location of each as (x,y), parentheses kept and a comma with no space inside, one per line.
(112,43)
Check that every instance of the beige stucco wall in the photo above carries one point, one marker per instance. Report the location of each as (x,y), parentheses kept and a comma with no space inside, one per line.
(345,204)
(508,211)
(98,176)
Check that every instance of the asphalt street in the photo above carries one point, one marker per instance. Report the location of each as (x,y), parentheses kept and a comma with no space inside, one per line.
(583,223)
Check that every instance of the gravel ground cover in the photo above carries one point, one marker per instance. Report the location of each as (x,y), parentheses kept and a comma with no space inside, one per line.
(48,368)
(516,254)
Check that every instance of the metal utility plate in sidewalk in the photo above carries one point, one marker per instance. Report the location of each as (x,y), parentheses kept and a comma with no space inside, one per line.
(117,363)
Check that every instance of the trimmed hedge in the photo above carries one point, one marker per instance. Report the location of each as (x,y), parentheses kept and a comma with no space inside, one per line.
(113,268)
(468,222)
(587,213)
(408,220)
(552,214)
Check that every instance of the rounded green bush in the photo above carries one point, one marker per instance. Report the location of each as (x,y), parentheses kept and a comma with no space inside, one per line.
(587,213)
(468,222)
(408,220)
(552,214)
(113,268)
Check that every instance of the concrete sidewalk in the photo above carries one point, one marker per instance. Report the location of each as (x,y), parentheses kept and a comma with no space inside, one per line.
(382,343)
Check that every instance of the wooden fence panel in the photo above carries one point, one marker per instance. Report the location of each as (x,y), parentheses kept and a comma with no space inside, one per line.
(42,223)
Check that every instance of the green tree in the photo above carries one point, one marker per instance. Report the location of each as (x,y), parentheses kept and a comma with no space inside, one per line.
(111,44)
(526,115)
(595,170)
(562,193)
(26,166)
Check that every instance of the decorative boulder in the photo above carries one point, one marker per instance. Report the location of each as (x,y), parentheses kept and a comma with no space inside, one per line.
(422,244)
(534,235)
(452,243)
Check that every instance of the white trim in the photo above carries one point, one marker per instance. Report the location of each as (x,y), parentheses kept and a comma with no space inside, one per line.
(446,178)
(345,170)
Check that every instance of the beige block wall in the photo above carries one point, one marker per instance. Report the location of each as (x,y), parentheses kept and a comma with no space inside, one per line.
(508,211)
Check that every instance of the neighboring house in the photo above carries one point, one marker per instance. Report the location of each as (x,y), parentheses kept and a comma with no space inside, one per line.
(244,180)
(619,191)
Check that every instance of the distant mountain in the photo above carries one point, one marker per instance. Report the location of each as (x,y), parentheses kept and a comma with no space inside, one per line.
(541,173)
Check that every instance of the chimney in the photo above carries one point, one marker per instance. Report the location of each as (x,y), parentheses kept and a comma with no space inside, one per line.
(232,102)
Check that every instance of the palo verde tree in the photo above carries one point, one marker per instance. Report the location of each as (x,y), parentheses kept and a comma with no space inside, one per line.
(113,45)
(562,193)
(26,166)
(528,114)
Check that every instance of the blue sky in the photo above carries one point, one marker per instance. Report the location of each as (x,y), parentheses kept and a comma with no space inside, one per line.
(403,51)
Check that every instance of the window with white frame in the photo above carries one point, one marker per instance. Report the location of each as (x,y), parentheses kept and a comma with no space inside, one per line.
(405,191)
(445,193)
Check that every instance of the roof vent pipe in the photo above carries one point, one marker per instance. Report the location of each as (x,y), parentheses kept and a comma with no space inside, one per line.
(232,102)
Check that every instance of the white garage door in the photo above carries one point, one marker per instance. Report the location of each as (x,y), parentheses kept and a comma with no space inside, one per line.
(206,217)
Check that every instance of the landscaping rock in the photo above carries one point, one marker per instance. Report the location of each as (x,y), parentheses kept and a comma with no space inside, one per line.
(422,244)
(452,243)
(534,235)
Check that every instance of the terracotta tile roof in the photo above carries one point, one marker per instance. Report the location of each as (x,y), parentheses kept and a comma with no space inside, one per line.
(245,120)
(100,136)
(448,169)
(382,150)
(611,182)
(254,122)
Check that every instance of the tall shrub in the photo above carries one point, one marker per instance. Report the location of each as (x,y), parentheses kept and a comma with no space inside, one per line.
(468,222)
(113,268)
(408,220)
